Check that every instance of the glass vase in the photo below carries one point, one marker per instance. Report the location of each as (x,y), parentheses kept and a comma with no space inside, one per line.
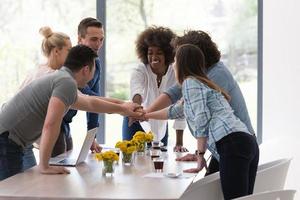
(127,158)
(141,147)
(108,168)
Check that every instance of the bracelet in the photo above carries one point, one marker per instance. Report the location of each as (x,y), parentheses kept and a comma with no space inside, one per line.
(199,153)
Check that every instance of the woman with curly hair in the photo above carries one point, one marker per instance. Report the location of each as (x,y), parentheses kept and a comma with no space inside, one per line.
(154,75)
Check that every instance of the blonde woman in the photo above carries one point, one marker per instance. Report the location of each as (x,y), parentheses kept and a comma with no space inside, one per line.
(55,47)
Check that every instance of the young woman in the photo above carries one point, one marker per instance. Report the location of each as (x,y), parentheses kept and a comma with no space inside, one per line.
(55,47)
(212,122)
(149,79)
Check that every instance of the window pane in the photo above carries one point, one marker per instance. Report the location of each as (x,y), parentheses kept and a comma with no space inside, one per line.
(20,39)
(232,24)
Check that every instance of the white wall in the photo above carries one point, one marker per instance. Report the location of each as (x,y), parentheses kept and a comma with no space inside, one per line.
(281,85)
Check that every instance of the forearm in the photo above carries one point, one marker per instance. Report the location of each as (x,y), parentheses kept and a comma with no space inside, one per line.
(201,144)
(179,137)
(112,100)
(97,105)
(49,136)
(137,99)
(160,114)
(162,101)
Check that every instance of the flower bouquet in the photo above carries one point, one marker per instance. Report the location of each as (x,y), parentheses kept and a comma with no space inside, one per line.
(140,138)
(108,158)
(127,148)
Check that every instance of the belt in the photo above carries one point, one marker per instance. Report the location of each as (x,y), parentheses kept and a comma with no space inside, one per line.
(4,134)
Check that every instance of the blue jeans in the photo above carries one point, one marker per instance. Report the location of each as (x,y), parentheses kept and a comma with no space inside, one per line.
(63,143)
(128,132)
(10,157)
(28,158)
(239,155)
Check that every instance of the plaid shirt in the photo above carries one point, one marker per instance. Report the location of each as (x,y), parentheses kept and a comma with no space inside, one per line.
(207,112)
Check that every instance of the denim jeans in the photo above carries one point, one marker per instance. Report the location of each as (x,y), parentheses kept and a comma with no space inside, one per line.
(213,166)
(28,158)
(63,143)
(239,155)
(128,132)
(10,157)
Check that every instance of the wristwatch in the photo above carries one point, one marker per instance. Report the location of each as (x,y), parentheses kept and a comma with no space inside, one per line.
(199,153)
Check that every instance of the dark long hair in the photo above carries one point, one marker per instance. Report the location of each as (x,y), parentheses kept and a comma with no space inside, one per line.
(190,62)
(202,40)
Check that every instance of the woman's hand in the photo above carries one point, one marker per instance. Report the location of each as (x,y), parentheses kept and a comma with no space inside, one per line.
(180,148)
(95,148)
(187,157)
(201,163)
(132,110)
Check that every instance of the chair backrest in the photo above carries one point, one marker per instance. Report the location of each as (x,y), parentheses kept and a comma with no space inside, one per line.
(208,188)
(270,164)
(271,195)
(272,175)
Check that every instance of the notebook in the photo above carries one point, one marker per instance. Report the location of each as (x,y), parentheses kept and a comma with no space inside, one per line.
(72,162)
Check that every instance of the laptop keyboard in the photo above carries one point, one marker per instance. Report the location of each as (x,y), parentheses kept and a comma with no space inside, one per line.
(67,161)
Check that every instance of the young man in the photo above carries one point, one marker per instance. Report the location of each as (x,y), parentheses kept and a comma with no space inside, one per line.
(38,110)
(91,34)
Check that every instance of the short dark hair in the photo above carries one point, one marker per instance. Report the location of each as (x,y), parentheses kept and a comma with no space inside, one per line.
(203,41)
(80,56)
(155,36)
(88,22)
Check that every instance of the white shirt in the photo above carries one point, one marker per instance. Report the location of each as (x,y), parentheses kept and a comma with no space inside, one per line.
(143,82)
(35,74)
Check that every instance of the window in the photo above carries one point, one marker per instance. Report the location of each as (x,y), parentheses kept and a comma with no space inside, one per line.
(231,24)
(20,39)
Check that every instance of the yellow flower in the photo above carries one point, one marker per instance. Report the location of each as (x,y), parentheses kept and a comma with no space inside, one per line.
(107,155)
(126,146)
(149,137)
(140,136)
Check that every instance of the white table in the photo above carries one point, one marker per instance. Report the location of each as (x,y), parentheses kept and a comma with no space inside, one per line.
(87,182)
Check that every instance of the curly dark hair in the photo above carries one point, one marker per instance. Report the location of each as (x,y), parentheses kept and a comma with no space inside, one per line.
(155,36)
(203,41)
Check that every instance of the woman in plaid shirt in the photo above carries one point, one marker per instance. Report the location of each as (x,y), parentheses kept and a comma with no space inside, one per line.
(212,122)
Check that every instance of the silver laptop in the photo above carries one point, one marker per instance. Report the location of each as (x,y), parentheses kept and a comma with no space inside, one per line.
(67,161)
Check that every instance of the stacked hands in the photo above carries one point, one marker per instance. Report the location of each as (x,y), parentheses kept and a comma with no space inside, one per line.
(137,113)
(141,115)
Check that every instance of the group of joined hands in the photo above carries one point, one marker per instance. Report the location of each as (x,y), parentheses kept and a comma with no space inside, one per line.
(136,113)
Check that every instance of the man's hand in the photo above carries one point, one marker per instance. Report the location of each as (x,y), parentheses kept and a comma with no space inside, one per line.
(187,157)
(96,148)
(132,110)
(180,148)
(53,170)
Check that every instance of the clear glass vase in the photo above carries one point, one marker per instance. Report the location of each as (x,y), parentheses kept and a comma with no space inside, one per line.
(141,147)
(127,158)
(108,168)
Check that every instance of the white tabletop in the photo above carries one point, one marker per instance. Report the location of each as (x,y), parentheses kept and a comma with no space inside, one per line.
(86,182)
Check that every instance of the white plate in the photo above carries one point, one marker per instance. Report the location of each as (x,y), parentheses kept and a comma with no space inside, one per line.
(173,175)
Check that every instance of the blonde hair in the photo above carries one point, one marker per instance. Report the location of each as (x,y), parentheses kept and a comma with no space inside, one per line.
(52,40)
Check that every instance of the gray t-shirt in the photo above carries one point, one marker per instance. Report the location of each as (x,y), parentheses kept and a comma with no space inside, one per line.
(24,115)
